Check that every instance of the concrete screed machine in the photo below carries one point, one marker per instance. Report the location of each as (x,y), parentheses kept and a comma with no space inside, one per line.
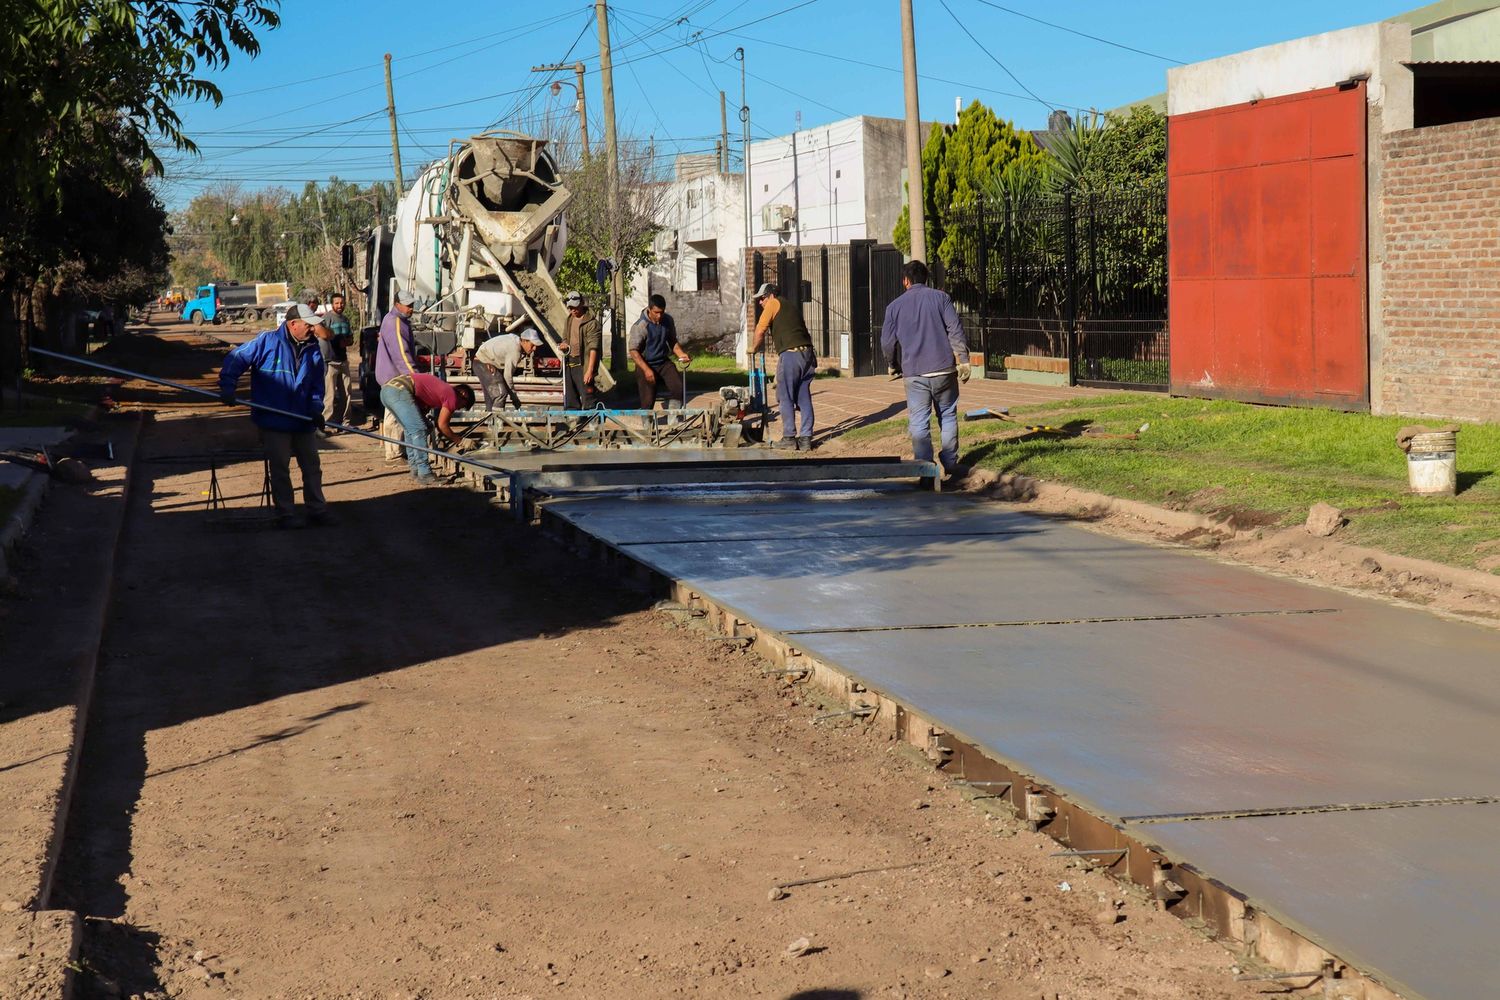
(478,239)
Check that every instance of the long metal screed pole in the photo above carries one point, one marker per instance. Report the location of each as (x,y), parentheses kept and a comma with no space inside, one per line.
(260,406)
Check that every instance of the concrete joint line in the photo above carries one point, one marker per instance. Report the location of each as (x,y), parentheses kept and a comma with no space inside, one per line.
(1466,800)
(826,537)
(1065,621)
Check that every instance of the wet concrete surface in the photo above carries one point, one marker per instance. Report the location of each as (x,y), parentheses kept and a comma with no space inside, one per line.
(1147,682)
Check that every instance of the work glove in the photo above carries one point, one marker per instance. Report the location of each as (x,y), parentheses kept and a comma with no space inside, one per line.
(227,397)
(964,371)
(318,421)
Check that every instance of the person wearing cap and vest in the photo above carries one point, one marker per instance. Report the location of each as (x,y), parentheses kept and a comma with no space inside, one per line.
(652,344)
(409,397)
(582,347)
(796,364)
(286,372)
(395,354)
(396,351)
(923,324)
(495,365)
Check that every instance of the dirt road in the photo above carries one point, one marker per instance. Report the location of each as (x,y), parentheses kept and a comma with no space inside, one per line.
(426,753)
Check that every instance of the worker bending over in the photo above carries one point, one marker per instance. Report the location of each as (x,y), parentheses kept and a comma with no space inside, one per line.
(408,398)
(495,365)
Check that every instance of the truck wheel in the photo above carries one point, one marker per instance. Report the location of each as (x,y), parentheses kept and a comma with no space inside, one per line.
(196,317)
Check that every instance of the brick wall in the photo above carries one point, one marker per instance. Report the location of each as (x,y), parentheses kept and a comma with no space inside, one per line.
(1441,297)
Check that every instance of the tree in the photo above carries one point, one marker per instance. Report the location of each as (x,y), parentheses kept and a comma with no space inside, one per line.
(959,162)
(274,235)
(88,89)
(591,230)
(1110,153)
(96,82)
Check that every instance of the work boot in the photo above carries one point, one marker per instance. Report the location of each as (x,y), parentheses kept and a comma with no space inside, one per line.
(805,443)
(289,521)
(786,444)
(323,518)
(426,479)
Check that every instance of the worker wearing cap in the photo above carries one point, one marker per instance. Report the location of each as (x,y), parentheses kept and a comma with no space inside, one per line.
(796,363)
(409,397)
(922,323)
(495,365)
(652,344)
(286,372)
(583,346)
(396,354)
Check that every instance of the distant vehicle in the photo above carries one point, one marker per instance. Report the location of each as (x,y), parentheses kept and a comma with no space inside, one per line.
(234,302)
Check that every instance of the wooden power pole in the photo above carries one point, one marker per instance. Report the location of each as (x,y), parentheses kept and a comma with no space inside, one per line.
(617,283)
(390,106)
(913,136)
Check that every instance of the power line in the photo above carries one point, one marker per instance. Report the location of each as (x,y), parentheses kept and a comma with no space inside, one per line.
(964,28)
(415,55)
(897,69)
(1081,34)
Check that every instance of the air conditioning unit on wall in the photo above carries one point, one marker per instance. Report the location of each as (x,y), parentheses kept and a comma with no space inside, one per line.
(775,218)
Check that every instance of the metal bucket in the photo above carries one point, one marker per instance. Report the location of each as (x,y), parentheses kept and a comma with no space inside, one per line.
(1432,464)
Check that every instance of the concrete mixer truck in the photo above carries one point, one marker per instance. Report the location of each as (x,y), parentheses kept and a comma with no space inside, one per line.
(478,238)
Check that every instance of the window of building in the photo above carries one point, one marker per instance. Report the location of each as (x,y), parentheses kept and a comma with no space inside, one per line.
(708,274)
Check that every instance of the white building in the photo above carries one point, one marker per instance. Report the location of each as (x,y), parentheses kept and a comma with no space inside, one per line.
(824,185)
(698,254)
(829,184)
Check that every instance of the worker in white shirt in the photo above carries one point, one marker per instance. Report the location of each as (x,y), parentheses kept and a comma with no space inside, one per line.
(495,365)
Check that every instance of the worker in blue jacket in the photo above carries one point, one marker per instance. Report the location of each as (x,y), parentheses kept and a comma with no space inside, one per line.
(286,372)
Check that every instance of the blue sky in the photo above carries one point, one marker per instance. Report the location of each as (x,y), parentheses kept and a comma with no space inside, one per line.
(313,103)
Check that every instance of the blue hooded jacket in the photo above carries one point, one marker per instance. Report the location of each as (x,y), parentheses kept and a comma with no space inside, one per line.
(279,378)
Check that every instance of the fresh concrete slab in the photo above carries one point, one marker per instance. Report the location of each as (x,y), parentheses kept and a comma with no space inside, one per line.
(1147,683)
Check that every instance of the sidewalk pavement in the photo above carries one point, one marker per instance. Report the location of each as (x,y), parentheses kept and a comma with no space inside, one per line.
(842,404)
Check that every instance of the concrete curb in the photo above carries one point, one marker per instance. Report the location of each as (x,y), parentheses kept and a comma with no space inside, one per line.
(1452,576)
(89,670)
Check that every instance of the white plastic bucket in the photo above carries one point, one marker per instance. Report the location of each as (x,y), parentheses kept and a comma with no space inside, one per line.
(1432,463)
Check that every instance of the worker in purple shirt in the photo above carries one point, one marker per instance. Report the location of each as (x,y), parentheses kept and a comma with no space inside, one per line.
(395,353)
(922,323)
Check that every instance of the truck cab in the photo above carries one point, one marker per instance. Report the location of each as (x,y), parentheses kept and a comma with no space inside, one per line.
(204,308)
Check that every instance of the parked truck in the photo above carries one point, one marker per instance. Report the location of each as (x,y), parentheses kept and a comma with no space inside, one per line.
(478,239)
(235,302)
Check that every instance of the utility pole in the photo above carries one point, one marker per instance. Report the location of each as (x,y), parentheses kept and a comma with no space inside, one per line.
(913,138)
(723,135)
(390,106)
(739,54)
(580,105)
(617,284)
(797,182)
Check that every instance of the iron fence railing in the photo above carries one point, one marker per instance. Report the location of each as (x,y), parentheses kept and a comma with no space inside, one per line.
(1081,276)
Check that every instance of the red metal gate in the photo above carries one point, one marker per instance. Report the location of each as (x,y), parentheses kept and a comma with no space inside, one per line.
(1266,218)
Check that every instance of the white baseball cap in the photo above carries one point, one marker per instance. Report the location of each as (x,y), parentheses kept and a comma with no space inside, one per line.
(405,297)
(306,314)
(531,335)
(573,299)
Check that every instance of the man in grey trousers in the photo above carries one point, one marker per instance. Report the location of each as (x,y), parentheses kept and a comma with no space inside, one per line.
(923,324)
